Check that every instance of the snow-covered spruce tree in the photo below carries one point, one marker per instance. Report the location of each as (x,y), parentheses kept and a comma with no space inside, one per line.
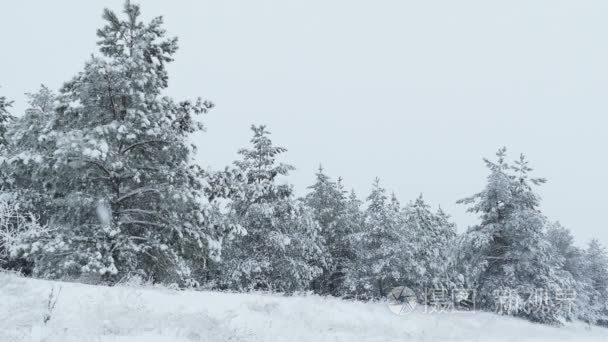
(19,171)
(345,253)
(221,188)
(282,249)
(433,236)
(126,197)
(31,158)
(385,245)
(596,268)
(6,215)
(354,214)
(574,262)
(328,202)
(507,257)
(5,119)
(355,217)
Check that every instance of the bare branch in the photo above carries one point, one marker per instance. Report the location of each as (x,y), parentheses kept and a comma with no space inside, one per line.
(147,223)
(99,165)
(132,146)
(138,211)
(137,192)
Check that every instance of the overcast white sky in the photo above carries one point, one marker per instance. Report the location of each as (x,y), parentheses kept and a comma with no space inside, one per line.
(414,92)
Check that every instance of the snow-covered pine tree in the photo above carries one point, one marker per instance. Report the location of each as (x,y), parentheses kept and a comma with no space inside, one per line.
(432,237)
(282,249)
(6,224)
(596,268)
(573,260)
(447,234)
(385,244)
(354,216)
(328,202)
(507,257)
(31,158)
(126,197)
(24,168)
(5,119)
(562,241)
(221,188)
(345,252)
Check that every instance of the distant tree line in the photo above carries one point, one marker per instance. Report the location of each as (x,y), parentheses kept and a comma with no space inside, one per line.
(98,183)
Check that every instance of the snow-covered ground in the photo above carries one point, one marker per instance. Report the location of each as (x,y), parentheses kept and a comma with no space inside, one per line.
(103,314)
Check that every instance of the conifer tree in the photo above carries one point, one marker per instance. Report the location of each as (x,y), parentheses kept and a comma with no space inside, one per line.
(562,241)
(126,197)
(507,256)
(433,234)
(282,249)
(385,244)
(328,203)
(5,119)
(354,216)
(31,159)
(596,268)
(576,261)
(24,167)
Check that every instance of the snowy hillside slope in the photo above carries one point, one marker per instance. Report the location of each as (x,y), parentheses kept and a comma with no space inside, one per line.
(96,313)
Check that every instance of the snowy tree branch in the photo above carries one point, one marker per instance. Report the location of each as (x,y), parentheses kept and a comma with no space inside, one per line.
(137,192)
(132,146)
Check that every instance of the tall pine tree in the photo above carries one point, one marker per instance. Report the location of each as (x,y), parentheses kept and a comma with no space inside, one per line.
(126,197)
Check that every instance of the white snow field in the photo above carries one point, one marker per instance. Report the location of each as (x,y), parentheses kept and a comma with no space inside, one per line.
(87,313)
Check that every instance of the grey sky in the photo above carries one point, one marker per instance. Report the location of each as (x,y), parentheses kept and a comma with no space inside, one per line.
(414,92)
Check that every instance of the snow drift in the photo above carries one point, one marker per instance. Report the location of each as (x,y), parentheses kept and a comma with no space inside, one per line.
(125,313)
